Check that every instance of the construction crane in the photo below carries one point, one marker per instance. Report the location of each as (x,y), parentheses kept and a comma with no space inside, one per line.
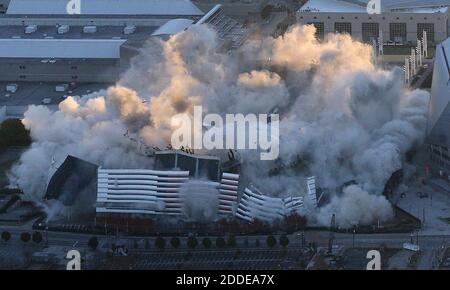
(331,236)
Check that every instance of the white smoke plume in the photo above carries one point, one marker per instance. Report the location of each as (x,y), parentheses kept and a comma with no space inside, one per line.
(200,200)
(342,118)
(351,208)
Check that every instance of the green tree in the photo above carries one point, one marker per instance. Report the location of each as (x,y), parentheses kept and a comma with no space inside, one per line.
(93,243)
(160,243)
(271,241)
(220,242)
(207,243)
(192,242)
(175,242)
(284,241)
(25,237)
(37,237)
(14,133)
(6,236)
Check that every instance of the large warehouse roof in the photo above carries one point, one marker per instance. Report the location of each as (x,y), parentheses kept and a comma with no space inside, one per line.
(60,48)
(106,7)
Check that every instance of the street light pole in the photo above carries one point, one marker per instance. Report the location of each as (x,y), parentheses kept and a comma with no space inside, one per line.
(354,232)
(46,235)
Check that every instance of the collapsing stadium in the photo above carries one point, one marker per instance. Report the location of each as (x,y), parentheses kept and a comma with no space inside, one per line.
(340,120)
(182,191)
(177,199)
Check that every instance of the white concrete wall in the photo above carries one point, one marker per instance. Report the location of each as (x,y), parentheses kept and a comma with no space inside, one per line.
(411,20)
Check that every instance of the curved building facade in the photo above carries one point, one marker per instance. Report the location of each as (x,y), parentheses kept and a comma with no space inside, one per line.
(438,126)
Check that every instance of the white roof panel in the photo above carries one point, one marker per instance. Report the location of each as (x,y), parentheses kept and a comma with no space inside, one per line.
(173,26)
(60,48)
(331,6)
(106,7)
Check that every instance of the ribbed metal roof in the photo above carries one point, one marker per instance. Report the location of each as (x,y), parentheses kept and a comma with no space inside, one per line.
(60,48)
(106,7)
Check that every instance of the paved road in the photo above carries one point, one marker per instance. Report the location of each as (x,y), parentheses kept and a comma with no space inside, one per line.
(319,238)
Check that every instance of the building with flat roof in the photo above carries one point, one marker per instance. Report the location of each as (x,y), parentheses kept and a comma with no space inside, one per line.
(41,43)
(106,7)
(400,22)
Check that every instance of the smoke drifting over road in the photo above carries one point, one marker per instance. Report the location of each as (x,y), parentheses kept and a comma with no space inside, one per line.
(341,117)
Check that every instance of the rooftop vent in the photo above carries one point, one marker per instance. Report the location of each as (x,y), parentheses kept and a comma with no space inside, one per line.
(90,29)
(129,29)
(12,88)
(63,29)
(30,29)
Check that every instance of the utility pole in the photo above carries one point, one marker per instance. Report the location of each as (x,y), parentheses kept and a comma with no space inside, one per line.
(46,235)
(354,232)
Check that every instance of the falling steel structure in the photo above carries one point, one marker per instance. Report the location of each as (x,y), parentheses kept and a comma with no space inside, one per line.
(228,193)
(158,192)
(255,205)
(139,191)
(73,177)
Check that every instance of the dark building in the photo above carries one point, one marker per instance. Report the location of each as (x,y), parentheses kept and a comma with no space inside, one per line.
(199,166)
(73,182)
